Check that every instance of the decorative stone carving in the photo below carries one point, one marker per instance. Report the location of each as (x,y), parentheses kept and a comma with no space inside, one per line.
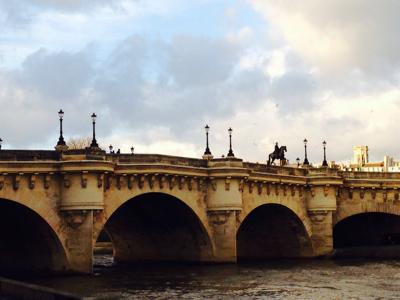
(326,190)
(66,180)
(32,180)
(227,183)
(317,216)
(172,182)
(152,180)
(362,193)
(181,182)
(350,193)
(16,180)
(241,185)
(284,189)
(84,179)
(292,191)
(300,190)
(268,189)
(251,185)
(312,190)
(46,180)
(118,181)
(218,217)
(190,183)
(107,181)
(162,180)
(141,181)
(373,193)
(75,218)
(213,183)
(200,184)
(384,194)
(259,188)
(276,190)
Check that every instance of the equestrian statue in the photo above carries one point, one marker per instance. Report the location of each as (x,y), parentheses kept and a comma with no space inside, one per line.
(279,153)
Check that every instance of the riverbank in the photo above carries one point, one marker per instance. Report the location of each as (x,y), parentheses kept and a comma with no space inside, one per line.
(17,290)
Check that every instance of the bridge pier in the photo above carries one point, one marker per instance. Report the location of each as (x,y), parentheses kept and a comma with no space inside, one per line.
(322,236)
(224,202)
(223,223)
(79,240)
(321,203)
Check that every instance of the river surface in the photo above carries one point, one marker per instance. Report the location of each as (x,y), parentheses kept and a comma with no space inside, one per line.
(288,279)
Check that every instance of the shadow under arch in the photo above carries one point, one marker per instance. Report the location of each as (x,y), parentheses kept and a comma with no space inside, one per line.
(157,227)
(370,229)
(272,231)
(28,244)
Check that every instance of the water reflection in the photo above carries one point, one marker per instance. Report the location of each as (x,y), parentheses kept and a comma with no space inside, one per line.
(294,279)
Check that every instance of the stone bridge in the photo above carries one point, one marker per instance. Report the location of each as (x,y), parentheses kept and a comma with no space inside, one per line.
(54,204)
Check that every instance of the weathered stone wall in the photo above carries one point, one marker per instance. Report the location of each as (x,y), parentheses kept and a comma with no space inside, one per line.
(144,202)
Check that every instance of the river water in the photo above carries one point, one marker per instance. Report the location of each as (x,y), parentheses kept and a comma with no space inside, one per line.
(281,279)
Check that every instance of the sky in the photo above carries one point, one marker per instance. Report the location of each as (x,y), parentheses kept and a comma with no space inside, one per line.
(156,72)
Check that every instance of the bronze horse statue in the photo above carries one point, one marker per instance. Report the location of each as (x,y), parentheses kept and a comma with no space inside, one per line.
(279,153)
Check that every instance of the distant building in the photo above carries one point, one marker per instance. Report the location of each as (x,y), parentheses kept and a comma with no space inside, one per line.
(360,154)
(361,162)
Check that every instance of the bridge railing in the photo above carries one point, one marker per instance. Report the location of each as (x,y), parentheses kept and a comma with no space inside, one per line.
(369,175)
(157,158)
(28,155)
(264,168)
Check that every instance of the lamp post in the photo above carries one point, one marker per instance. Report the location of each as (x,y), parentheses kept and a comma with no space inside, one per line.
(298,162)
(132,149)
(230,153)
(324,163)
(111,148)
(305,153)
(61,141)
(207,152)
(94,142)
(1,142)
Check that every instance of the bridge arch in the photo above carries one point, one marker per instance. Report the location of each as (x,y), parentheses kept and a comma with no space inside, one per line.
(368,230)
(272,230)
(157,226)
(348,209)
(28,241)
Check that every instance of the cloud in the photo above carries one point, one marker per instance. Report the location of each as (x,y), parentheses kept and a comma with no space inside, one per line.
(208,61)
(59,76)
(320,76)
(339,37)
(138,86)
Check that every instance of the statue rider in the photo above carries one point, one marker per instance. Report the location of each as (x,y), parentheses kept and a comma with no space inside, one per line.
(276,151)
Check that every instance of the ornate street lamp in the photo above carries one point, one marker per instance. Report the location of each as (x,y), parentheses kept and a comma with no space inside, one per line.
(207,152)
(1,142)
(94,142)
(230,153)
(111,148)
(324,163)
(305,153)
(132,149)
(298,162)
(61,141)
